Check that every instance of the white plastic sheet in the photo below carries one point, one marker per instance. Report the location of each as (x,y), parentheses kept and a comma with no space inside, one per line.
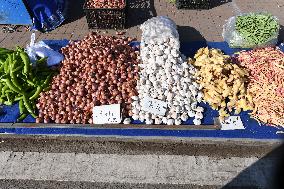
(40,49)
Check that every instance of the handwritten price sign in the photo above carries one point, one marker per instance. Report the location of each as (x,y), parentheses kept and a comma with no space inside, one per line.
(232,123)
(154,106)
(107,114)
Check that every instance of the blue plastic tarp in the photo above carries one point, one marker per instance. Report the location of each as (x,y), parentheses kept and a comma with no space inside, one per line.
(252,128)
(14,12)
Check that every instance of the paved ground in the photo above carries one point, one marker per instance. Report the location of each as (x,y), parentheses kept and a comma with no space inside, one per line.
(193,24)
(52,162)
(58,162)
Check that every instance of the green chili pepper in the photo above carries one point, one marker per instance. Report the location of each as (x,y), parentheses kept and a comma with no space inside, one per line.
(2,67)
(7,103)
(26,62)
(7,64)
(22,106)
(29,107)
(17,69)
(18,98)
(5,51)
(19,49)
(14,79)
(12,86)
(47,80)
(30,82)
(4,89)
(42,61)
(22,117)
(36,94)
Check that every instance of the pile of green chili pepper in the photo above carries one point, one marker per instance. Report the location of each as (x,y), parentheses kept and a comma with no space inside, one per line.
(22,82)
(257,28)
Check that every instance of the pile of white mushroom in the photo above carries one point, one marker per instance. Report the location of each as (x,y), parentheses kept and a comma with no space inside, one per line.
(165,75)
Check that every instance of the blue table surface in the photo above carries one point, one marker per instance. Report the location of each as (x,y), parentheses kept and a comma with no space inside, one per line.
(252,129)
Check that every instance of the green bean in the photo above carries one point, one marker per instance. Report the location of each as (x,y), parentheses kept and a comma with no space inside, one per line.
(256,29)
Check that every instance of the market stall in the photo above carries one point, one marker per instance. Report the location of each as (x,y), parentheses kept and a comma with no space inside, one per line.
(159,87)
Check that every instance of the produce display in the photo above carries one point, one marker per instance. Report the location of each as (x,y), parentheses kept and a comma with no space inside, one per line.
(266,69)
(97,70)
(21,82)
(224,83)
(156,83)
(251,30)
(166,76)
(106,4)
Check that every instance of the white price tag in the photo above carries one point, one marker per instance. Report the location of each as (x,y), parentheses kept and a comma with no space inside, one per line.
(232,123)
(107,114)
(154,106)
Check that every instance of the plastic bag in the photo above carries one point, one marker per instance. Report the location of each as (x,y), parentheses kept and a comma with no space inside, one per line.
(47,15)
(237,40)
(42,50)
(159,28)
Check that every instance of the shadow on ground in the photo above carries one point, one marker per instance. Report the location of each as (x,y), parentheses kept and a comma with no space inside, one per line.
(281,36)
(75,11)
(216,3)
(139,11)
(268,172)
(187,34)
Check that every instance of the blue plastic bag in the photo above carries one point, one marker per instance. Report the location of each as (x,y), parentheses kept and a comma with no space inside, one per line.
(47,15)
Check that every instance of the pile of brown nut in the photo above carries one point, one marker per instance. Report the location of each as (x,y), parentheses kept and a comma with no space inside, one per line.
(97,70)
(111,4)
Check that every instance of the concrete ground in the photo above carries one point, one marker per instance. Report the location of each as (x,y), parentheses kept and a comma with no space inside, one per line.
(78,162)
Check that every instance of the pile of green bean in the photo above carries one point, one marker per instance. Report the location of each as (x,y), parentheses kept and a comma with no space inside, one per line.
(257,28)
(22,82)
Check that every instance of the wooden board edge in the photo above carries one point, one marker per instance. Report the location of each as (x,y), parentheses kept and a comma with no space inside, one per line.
(110,126)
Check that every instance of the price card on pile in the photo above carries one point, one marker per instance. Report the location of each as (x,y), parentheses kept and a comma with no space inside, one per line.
(232,123)
(107,114)
(154,106)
